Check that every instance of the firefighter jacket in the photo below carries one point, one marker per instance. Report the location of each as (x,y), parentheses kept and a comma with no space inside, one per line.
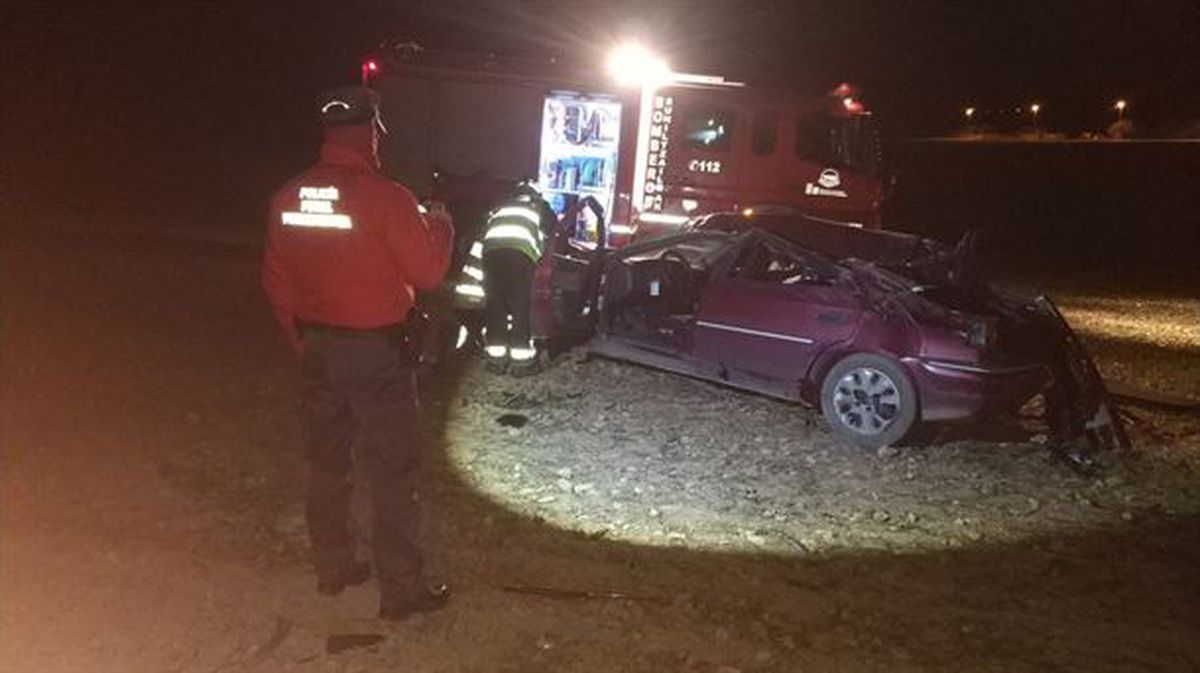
(346,246)
(468,291)
(517,225)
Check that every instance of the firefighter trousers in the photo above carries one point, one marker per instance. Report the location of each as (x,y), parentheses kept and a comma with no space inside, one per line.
(508,285)
(360,404)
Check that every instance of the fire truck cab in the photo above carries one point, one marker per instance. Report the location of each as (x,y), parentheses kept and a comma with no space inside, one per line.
(464,127)
(747,149)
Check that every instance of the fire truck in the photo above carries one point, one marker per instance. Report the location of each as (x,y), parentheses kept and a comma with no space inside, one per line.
(654,147)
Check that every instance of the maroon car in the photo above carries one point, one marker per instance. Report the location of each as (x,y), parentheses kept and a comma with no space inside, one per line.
(882,330)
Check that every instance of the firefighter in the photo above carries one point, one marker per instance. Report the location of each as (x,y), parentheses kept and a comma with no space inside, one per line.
(346,250)
(512,244)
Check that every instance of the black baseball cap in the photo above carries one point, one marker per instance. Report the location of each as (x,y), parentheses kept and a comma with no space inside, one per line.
(348,105)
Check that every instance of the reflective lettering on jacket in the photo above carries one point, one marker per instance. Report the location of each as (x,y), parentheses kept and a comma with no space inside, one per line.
(317,210)
(515,227)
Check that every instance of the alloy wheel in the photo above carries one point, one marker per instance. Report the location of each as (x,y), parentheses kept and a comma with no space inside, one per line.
(866,400)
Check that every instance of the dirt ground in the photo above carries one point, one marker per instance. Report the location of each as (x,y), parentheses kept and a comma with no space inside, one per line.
(152,517)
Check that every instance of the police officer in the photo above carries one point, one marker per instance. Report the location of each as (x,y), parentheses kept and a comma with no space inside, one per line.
(513,243)
(346,250)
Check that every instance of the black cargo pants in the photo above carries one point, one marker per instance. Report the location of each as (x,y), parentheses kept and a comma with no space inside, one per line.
(508,285)
(359,390)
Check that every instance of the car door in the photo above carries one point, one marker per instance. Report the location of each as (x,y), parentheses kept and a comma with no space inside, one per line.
(770,313)
(565,285)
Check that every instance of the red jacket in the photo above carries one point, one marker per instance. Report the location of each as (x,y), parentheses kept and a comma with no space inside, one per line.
(346,246)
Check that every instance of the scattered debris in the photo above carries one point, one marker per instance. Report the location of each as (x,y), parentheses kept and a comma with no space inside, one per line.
(553,592)
(340,642)
(706,469)
(519,401)
(1134,395)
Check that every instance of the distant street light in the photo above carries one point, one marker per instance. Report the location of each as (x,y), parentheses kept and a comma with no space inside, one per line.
(969,113)
(1120,108)
(1035,108)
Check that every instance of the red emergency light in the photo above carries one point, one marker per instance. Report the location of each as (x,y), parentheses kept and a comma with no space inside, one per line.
(369,69)
(845,89)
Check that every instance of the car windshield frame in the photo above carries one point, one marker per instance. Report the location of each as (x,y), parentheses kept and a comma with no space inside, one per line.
(920,250)
(652,245)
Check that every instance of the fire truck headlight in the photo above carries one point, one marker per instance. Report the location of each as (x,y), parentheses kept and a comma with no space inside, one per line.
(632,64)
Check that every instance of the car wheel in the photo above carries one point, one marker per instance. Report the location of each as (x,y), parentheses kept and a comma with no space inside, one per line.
(868,401)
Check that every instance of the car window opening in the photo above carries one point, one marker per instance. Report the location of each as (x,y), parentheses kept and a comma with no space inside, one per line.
(840,142)
(709,129)
(767,263)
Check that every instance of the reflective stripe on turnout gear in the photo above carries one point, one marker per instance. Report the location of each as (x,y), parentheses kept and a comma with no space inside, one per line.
(528,214)
(515,227)
(495,351)
(512,231)
(469,289)
(522,354)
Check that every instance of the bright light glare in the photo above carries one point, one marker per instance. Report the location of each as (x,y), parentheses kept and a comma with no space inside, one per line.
(1121,105)
(1035,108)
(632,64)
(969,112)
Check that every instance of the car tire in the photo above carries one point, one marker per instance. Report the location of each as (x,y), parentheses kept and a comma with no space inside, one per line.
(869,401)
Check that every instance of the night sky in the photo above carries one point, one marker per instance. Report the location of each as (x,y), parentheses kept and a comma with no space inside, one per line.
(140,106)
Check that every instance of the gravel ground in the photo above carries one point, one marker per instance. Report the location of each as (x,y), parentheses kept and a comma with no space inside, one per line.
(151,511)
(626,453)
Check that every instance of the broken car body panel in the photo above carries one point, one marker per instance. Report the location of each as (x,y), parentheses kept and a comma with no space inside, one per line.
(771,304)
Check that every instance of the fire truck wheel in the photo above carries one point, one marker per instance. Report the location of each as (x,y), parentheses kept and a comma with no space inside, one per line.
(869,401)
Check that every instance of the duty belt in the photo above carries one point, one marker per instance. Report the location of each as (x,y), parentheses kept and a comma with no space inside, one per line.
(396,331)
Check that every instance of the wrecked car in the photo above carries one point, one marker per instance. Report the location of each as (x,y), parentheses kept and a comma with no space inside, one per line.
(881,330)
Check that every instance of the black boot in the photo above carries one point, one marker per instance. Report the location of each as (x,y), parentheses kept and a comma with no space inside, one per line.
(332,584)
(431,599)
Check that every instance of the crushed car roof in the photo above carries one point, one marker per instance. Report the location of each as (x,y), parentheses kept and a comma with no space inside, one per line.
(837,241)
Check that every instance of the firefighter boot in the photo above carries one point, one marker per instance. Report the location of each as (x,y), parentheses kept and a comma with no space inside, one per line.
(497,358)
(523,360)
